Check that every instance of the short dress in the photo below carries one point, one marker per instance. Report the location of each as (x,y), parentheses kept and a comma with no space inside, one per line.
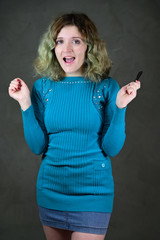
(77,126)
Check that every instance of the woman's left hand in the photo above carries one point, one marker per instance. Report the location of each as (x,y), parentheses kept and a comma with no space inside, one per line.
(127,93)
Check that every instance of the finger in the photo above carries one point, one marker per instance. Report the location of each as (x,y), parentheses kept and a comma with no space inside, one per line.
(131,84)
(12,90)
(136,84)
(15,85)
(131,90)
(17,80)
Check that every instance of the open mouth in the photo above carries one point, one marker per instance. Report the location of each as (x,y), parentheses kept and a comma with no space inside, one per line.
(69,59)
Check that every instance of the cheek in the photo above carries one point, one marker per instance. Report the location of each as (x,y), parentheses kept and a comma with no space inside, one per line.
(57,52)
(82,53)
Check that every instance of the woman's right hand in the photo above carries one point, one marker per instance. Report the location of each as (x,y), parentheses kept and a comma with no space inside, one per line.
(19,91)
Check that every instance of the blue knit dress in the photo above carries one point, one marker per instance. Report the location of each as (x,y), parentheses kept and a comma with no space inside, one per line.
(76,126)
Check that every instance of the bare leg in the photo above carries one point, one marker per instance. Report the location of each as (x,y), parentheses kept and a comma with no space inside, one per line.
(56,234)
(88,236)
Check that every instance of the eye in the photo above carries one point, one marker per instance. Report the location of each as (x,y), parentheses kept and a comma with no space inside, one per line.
(76,41)
(58,42)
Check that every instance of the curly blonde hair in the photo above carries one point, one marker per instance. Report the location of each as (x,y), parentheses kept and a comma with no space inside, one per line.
(97,64)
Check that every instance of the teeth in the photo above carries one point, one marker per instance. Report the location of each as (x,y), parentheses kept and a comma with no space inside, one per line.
(68,59)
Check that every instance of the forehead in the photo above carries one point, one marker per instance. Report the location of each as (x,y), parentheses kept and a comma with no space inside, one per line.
(69,32)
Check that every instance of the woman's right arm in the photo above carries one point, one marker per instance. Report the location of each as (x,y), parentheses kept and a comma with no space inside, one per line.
(32,113)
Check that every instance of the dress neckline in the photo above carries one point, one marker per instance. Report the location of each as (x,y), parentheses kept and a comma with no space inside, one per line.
(73,78)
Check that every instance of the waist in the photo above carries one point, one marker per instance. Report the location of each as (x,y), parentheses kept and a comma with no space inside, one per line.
(71,146)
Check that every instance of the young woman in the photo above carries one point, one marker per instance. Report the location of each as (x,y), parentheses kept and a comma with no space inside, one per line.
(76,118)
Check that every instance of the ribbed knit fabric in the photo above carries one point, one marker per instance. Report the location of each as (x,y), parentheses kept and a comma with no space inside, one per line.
(77,126)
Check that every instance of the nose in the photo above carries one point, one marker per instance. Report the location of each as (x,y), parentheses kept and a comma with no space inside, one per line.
(67,47)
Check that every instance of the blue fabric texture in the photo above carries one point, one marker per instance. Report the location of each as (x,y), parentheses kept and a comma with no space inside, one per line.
(88,222)
(77,126)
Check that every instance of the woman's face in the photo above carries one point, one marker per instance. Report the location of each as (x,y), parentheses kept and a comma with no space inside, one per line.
(70,50)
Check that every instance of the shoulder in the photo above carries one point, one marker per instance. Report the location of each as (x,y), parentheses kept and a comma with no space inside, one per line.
(111,88)
(40,87)
(107,87)
(110,83)
(41,83)
(105,91)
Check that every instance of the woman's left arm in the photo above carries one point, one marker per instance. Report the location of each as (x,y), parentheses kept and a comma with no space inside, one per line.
(113,137)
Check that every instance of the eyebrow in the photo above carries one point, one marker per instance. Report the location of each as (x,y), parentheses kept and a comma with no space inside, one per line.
(71,37)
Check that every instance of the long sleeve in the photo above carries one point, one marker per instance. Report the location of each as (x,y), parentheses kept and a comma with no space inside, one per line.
(77,117)
(33,121)
(114,126)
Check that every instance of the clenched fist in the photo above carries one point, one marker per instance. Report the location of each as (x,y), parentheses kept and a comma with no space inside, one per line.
(127,93)
(19,91)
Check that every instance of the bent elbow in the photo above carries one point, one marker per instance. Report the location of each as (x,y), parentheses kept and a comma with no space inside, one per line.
(114,148)
(113,153)
(38,150)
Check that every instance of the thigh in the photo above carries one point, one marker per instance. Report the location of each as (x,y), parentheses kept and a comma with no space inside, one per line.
(56,234)
(88,236)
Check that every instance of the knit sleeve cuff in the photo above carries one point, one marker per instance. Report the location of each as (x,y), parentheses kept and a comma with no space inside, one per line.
(29,111)
(119,115)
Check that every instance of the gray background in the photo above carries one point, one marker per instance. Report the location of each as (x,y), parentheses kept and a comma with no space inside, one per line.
(131,30)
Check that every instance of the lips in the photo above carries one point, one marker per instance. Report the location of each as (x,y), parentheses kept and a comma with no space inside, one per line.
(69,59)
